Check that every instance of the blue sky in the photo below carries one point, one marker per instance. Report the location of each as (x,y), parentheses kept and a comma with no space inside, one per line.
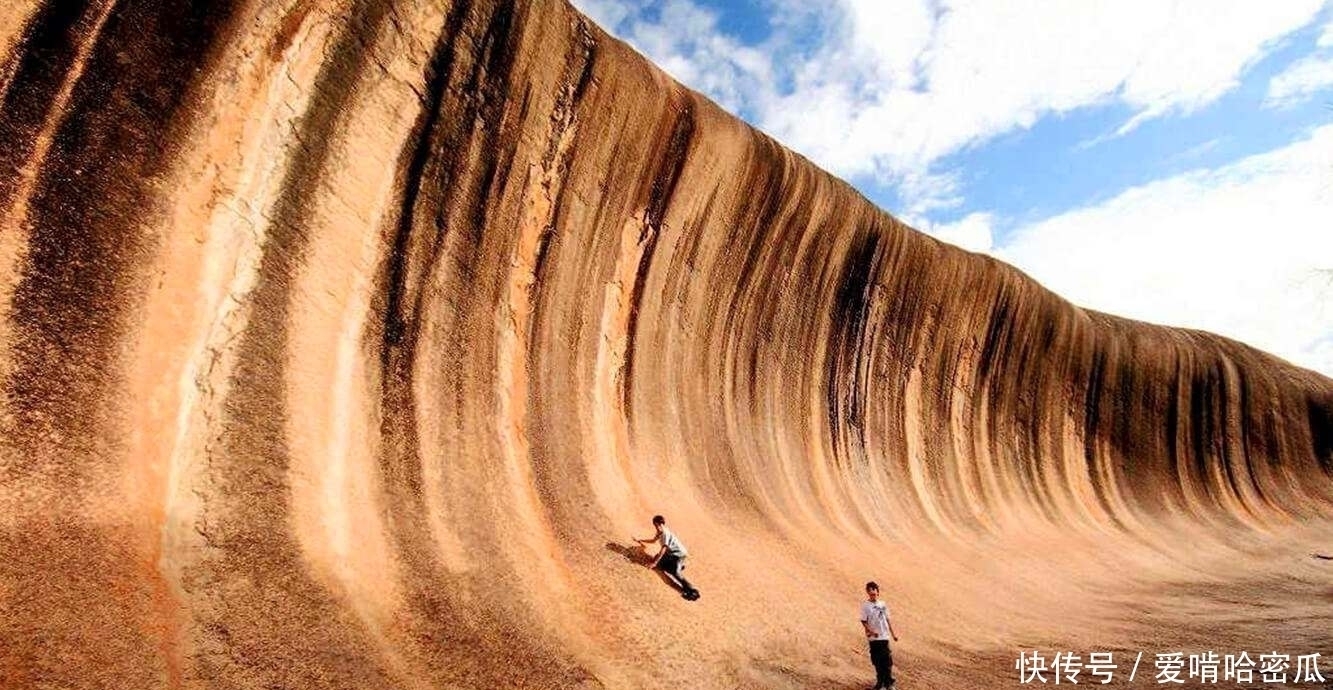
(1170,161)
(1058,164)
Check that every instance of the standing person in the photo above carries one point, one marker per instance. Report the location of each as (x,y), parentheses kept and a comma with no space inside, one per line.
(878,629)
(670,558)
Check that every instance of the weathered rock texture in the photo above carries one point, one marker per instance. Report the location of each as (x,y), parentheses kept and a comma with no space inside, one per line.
(347,344)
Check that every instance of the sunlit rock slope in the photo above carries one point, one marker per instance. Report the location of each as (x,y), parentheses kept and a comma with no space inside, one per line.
(349,344)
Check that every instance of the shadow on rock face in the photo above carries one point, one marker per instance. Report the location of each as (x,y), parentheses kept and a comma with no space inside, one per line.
(638,555)
(634,554)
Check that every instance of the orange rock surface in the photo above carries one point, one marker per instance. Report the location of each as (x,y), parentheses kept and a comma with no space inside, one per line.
(348,345)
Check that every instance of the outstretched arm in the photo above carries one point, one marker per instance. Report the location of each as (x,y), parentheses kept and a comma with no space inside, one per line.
(1321,557)
(661,550)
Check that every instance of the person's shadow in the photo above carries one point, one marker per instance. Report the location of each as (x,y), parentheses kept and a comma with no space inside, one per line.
(638,555)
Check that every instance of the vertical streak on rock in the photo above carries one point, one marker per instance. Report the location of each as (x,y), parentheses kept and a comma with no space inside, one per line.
(18,23)
(454,445)
(437,194)
(666,175)
(533,482)
(261,616)
(91,141)
(533,296)
(1320,415)
(57,43)
(668,153)
(422,141)
(1093,447)
(846,403)
(737,268)
(413,250)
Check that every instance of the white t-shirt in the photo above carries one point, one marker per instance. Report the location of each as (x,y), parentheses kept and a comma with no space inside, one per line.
(876,615)
(672,543)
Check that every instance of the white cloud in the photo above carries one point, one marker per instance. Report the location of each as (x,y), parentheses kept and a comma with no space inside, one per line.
(986,68)
(891,36)
(684,40)
(1320,357)
(1244,250)
(972,232)
(607,13)
(884,89)
(1299,82)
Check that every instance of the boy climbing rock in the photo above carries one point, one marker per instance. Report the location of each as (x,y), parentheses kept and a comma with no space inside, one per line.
(670,557)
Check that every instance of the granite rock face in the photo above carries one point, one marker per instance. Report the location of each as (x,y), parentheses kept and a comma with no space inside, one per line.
(348,345)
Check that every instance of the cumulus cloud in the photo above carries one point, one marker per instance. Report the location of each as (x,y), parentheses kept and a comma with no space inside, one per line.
(607,13)
(983,68)
(1299,82)
(684,40)
(884,89)
(1242,250)
(972,232)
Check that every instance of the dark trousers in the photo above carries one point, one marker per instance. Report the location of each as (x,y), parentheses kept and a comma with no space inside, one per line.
(674,566)
(882,658)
